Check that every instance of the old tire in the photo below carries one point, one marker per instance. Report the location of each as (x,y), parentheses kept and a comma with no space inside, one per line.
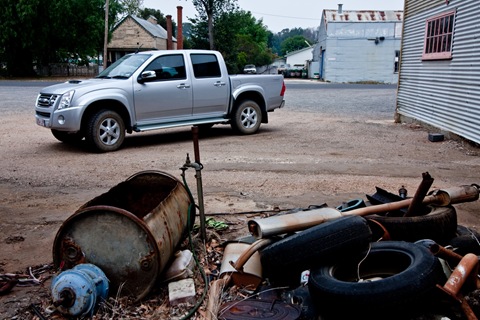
(105,131)
(247,117)
(397,276)
(284,260)
(68,137)
(439,224)
(466,240)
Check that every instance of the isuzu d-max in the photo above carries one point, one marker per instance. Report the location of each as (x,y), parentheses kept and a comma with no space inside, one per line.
(153,90)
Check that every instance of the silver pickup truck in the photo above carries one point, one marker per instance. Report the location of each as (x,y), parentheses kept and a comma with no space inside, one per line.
(153,90)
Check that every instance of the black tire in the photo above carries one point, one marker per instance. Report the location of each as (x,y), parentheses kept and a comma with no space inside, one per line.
(465,241)
(397,276)
(439,224)
(247,117)
(68,137)
(105,131)
(284,260)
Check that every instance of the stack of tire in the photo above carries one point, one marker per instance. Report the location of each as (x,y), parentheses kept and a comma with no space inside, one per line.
(353,275)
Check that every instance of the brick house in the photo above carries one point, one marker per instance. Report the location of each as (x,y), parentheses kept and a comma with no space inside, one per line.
(133,33)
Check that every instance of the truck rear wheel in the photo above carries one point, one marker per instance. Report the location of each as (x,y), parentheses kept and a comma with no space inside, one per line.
(247,117)
(105,131)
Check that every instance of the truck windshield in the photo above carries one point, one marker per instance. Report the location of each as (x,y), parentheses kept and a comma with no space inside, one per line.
(124,67)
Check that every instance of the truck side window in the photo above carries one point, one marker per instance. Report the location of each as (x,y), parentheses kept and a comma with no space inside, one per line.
(205,66)
(168,67)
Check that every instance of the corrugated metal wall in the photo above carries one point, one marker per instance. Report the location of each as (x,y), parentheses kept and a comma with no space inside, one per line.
(442,93)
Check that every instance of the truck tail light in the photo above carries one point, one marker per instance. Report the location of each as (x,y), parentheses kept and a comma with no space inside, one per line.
(282,93)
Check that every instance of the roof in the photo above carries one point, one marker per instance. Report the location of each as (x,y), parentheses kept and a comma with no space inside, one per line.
(155,30)
(363,16)
(298,51)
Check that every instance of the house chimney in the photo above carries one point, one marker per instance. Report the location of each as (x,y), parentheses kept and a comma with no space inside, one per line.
(340,10)
(152,20)
(179,28)
(169,32)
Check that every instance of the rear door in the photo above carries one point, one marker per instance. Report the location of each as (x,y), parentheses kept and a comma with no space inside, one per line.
(211,92)
(166,97)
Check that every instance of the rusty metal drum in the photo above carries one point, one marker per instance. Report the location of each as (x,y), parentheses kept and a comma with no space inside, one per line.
(131,232)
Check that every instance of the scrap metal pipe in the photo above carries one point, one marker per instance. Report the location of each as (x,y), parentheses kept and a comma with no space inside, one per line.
(437,250)
(441,197)
(447,255)
(280,224)
(466,270)
(420,194)
(264,228)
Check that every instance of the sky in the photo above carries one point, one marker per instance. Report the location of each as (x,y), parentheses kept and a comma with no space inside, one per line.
(280,14)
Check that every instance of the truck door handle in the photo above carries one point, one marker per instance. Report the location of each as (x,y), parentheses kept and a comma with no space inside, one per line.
(219,84)
(183,86)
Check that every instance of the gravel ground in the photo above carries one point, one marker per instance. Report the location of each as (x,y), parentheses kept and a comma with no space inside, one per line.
(331,143)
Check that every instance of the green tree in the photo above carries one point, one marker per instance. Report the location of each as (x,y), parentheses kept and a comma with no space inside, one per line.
(131,6)
(293,44)
(242,40)
(209,10)
(161,18)
(38,32)
(310,34)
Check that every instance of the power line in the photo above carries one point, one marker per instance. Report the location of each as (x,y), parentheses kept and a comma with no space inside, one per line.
(289,17)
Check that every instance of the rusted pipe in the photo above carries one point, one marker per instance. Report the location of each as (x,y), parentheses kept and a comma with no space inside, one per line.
(440,197)
(280,224)
(437,250)
(448,255)
(198,175)
(243,258)
(466,270)
(417,201)
(385,234)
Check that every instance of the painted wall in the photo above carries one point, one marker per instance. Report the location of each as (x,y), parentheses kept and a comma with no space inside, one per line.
(358,51)
(442,93)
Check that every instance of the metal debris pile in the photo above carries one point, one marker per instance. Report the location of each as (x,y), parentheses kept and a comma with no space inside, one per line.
(391,256)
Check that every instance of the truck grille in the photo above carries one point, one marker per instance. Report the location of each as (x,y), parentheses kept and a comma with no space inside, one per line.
(46,100)
(43,114)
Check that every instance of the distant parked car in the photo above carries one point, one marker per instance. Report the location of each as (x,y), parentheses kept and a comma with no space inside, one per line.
(250,68)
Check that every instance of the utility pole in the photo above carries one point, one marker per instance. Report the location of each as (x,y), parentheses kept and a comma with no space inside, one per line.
(105,41)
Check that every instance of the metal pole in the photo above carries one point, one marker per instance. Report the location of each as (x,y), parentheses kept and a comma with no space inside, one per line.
(198,175)
(105,40)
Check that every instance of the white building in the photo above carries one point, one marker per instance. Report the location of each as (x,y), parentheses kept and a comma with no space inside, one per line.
(359,46)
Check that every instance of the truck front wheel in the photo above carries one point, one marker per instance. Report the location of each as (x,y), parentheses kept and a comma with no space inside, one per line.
(247,117)
(105,131)
(68,137)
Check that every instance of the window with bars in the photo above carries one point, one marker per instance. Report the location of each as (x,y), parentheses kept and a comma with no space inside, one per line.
(439,36)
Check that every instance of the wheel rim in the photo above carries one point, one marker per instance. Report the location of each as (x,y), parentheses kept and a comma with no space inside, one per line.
(109,131)
(249,117)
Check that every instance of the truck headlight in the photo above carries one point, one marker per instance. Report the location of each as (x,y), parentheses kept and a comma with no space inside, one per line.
(66,99)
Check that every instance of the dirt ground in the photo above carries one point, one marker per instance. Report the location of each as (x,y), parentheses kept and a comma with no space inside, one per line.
(300,158)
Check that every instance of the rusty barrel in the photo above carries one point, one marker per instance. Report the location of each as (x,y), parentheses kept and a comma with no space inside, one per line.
(130,232)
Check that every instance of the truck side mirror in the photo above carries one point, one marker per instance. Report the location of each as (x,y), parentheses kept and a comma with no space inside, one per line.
(146,75)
